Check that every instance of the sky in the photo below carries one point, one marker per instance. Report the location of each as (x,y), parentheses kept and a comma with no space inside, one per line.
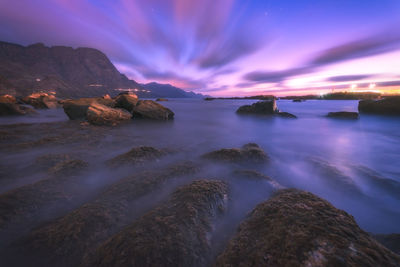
(226,47)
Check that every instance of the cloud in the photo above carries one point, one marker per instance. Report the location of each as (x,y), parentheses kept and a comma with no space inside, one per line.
(349,78)
(275,76)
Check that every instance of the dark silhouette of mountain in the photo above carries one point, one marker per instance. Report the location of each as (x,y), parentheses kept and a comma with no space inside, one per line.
(68,72)
(167,90)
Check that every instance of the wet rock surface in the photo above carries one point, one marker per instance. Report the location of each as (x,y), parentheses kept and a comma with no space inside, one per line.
(137,156)
(126,101)
(41,101)
(297,228)
(386,106)
(174,234)
(148,109)
(98,114)
(10,109)
(77,109)
(249,153)
(343,115)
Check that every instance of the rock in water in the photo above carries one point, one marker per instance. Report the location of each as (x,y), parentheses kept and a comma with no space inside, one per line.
(77,108)
(261,107)
(249,153)
(126,101)
(297,228)
(343,115)
(41,101)
(98,114)
(8,99)
(8,109)
(137,156)
(174,234)
(286,115)
(386,106)
(149,109)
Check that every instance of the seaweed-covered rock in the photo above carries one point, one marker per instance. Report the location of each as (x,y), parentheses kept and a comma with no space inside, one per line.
(260,107)
(98,114)
(137,155)
(77,108)
(391,241)
(297,228)
(41,101)
(386,106)
(343,115)
(174,234)
(249,153)
(67,240)
(8,99)
(285,115)
(148,109)
(126,101)
(10,109)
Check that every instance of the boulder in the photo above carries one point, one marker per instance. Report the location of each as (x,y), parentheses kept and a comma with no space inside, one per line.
(126,101)
(297,228)
(386,106)
(137,156)
(41,101)
(260,107)
(343,115)
(8,99)
(149,109)
(161,99)
(8,109)
(177,233)
(98,114)
(249,153)
(77,108)
(285,115)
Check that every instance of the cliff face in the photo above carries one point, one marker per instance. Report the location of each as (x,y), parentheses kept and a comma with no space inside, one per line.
(69,72)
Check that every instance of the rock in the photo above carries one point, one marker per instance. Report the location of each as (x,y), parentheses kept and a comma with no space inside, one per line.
(256,176)
(297,100)
(249,153)
(285,115)
(77,108)
(161,99)
(176,233)
(41,101)
(98,114)
(137,156)
(297,228)
(126,101)
(149,109)
(391,241)
(343,115)
(386,106)
(8,99)
(67,240)
(107,96)
(260,107)
(68,167)
(50,160)
(8,109)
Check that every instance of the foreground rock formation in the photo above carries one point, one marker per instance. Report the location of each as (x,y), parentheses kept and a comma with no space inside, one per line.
(386,106)
(98,114)
(149,109)
(137,156)
(249,153)
(41,101)
(174,234)
(296,228)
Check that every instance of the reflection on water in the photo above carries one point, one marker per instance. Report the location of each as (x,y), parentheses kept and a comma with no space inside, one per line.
(353,164)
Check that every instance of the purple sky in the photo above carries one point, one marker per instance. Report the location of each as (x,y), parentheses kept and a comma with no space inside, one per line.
(226,47)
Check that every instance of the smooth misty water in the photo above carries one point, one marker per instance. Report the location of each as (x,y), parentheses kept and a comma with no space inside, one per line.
(329,157)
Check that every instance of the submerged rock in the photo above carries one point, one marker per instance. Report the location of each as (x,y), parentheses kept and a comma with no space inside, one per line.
(126,101)
(261,107)
(286,115)
(67,240)
(249,153)
(137,156)
(77,108)
(10,109)
(68,167)
(256,176)
(343,115)
(391,241)
(98,114)
(149,109)
(386,106)
(174,234)
(41,101)
(297,228)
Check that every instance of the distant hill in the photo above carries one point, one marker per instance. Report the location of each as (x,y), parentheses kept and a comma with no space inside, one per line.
(167,90)
(69,72)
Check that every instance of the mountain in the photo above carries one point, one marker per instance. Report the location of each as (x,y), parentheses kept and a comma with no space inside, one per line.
(69,72)
(167,90)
